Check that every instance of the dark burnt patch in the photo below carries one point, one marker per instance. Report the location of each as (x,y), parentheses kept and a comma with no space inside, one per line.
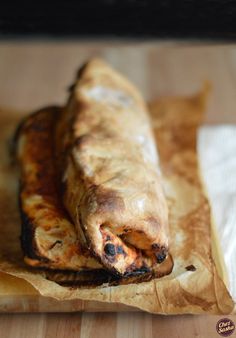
(120,250)
(54,244)
(160,257)
(191,268)
(139,271)
(98,277)
(134,271)
(110,249)
(161,254)
(155,246)
(73,279)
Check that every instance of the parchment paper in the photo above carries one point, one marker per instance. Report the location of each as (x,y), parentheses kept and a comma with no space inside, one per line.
(194,286)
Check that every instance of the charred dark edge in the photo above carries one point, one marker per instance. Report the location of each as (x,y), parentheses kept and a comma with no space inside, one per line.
(98,277)
(86,278)
(27,237)
(92,278)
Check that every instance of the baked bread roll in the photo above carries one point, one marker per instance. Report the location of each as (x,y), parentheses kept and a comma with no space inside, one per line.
(48,237)
(108,164)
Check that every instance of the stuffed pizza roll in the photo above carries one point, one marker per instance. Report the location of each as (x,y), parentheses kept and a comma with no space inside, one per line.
(108,167)
(48,237)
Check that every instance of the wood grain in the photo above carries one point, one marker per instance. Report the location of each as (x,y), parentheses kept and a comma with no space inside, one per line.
(34,74)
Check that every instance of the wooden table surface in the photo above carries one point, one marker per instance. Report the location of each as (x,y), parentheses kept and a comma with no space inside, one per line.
(35,74)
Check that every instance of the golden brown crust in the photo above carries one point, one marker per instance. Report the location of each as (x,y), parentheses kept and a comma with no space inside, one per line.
(110,172)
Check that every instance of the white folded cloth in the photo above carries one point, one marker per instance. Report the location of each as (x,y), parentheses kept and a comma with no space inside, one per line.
(217,158)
